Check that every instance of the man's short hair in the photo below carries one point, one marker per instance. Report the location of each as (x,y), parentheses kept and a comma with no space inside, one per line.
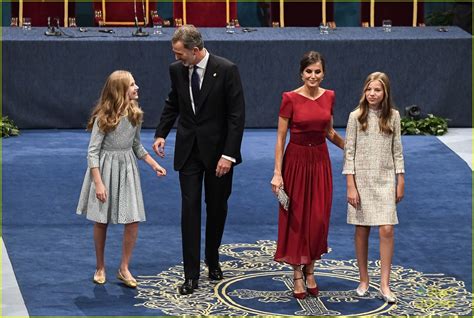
(190,36)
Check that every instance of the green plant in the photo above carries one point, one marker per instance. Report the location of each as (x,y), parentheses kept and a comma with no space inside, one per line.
(431,125)
(9,128)
(440,18)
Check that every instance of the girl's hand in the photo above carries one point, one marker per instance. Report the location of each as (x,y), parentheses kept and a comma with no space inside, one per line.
(400,191)
(353,197)
(160,171)
(277,183)
(400,187)
(101,192)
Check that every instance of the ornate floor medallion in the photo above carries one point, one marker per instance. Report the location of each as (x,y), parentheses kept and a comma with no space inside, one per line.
(256,285)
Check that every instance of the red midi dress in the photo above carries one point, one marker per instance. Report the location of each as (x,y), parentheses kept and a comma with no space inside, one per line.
(307,178)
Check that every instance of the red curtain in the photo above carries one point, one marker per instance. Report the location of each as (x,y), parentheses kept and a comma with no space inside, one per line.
(302,14)
(205,14)
(40,11)
(401,13)
(124,11)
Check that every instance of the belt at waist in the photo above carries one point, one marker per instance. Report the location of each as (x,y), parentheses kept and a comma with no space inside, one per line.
(117,150)
(309,140)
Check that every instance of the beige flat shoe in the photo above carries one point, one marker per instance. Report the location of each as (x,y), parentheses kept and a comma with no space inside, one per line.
(390,298)
(98,279)
(132,283)
(362,292)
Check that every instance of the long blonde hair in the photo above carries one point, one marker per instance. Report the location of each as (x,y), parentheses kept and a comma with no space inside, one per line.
(387,104)
(114,103)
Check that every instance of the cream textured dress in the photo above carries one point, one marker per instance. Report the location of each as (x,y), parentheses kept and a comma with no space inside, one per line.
(374,158)
(115,154)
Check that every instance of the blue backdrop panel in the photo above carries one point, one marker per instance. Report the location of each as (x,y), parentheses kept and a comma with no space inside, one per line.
(53,82)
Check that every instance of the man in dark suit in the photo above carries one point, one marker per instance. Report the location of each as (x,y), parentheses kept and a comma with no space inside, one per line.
(206,94)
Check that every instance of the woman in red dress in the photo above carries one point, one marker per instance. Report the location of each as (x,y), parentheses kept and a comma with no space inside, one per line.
(304,170)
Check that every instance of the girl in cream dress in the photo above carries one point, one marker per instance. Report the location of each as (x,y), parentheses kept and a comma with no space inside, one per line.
(374,168)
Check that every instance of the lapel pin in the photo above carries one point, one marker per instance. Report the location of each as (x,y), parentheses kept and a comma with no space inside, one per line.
(214,75)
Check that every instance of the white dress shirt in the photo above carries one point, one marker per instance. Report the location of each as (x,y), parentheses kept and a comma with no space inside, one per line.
(201,70)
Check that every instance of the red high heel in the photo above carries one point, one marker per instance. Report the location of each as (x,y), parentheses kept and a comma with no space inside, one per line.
(301,295)
(313,291)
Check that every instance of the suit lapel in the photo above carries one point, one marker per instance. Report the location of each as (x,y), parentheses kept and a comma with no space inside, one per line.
(210,77)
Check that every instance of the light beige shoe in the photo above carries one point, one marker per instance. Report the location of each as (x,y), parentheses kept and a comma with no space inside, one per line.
(99,279)
(362,292)
(390,298)
(132,283)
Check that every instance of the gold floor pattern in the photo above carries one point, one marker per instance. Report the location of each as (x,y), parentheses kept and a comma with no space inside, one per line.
(419,294)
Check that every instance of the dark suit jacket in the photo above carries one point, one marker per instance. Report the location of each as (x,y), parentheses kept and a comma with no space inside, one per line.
(218,124)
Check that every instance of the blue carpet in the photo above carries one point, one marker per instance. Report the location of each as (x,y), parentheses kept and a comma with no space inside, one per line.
(51,249)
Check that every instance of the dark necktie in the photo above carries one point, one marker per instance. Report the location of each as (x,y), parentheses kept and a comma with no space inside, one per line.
(195,86)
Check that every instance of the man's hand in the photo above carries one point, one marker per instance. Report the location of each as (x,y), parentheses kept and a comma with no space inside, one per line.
(223,167)
(159,147)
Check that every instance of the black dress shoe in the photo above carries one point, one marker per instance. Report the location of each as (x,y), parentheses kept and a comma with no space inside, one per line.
(188,286)
(216,273)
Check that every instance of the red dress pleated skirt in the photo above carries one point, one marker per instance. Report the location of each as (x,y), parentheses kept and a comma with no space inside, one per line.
(307,177)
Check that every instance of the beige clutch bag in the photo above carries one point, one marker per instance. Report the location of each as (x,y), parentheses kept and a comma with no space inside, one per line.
(283,198)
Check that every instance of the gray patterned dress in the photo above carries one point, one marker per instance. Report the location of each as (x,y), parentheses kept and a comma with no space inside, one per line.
(374,158)
(115,154)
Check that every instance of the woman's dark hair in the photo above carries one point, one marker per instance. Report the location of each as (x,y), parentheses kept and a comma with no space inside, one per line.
(311,57)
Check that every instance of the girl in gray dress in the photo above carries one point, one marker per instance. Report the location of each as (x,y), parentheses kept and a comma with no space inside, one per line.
(111,192)
(374,167)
